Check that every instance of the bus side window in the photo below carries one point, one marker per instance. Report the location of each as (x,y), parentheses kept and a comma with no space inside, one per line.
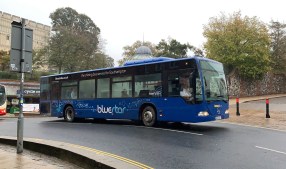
(144,93)
(175,87)
(87,89)
(173,84)
(135,94)
(124,93)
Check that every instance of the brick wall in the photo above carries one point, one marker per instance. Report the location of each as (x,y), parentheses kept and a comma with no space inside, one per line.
(270,84)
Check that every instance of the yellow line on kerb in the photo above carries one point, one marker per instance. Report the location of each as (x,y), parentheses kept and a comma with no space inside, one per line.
(135,163)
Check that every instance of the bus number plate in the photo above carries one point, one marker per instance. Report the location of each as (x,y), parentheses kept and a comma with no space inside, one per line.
(218,117)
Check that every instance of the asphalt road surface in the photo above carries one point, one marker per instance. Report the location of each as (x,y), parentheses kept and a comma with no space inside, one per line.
(211,145)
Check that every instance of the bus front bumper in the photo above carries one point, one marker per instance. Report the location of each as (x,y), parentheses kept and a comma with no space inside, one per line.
(211,118)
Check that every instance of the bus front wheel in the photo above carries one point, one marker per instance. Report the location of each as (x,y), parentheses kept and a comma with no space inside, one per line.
(149,116)
(69,114)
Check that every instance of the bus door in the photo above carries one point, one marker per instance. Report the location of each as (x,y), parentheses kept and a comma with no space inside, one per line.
(55,95)
(179,89)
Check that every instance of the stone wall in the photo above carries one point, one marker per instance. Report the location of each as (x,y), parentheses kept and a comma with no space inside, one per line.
(269,84)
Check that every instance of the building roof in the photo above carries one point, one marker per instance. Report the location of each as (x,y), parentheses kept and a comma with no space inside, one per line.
(143,52)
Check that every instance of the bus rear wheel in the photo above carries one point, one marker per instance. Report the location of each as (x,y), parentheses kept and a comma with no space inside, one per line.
(69,114)
(148,116)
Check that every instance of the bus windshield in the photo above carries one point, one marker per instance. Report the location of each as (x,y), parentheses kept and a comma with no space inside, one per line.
(214,81)
(2,95)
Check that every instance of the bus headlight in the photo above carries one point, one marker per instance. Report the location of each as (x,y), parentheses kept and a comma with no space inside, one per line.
(203,113)
(226,112)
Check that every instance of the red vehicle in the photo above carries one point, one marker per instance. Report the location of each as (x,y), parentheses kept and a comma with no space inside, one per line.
(3,100)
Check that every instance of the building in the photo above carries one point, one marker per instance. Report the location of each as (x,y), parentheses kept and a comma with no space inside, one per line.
(41,33)
(143,52)
(31,94)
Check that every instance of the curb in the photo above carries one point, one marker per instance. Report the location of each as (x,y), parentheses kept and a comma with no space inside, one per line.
(57,152)
(78,155)
(15,115)
(249,99)
(263,98)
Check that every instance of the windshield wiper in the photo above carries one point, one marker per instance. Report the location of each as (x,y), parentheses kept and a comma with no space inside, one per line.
(220,96)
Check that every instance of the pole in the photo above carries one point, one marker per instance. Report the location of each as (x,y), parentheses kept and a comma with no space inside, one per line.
(267,108)
(237,107)
(20,123)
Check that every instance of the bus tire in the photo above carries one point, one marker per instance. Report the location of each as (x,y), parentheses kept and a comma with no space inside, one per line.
(148,116)
(69,114)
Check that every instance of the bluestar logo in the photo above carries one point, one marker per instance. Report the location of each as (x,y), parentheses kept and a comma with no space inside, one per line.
(110,110)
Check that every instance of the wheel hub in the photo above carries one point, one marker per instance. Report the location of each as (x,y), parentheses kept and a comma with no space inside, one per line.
(148,116)
(69,115)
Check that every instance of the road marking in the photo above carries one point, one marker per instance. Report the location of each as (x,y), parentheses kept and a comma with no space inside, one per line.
(178,131)
(135,163)
(268,149)
(247,125)
(132,162)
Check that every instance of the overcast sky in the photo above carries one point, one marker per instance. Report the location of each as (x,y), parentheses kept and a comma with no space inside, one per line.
(122,22)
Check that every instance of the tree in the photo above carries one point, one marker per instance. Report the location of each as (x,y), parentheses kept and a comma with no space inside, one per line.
(102,60)
(241,43)
(39,60)
(129,51)
(197,51)
(74,43)
(278,46)
(4,61)
(172,49)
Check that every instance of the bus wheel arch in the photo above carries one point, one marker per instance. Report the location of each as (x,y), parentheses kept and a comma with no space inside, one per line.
(69,113)
(148,115)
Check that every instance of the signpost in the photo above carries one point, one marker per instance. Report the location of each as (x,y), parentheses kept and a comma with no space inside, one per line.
(21,61)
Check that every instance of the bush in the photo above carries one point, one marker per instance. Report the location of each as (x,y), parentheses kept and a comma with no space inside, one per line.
(8,75)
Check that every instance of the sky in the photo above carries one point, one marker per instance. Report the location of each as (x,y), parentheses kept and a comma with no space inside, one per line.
(122,22)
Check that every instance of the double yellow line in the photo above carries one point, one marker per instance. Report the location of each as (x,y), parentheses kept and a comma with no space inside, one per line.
(135,163)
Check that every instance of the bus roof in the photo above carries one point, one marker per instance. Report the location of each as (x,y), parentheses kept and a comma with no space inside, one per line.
(145,61)
(138,63)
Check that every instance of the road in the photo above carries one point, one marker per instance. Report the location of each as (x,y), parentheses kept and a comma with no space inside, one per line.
(211,145)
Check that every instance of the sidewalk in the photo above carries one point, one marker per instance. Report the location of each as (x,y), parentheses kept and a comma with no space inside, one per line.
(26,114)
(246,99)
(48,154)
(257,116)
(10,159)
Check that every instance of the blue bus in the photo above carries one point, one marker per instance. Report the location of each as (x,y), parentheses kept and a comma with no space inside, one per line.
(150,91)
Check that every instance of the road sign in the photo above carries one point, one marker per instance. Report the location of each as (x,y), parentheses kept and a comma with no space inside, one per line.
(21,61)
(18,46)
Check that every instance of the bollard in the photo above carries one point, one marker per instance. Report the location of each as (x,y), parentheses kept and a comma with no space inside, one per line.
(267,108)
(237,107)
